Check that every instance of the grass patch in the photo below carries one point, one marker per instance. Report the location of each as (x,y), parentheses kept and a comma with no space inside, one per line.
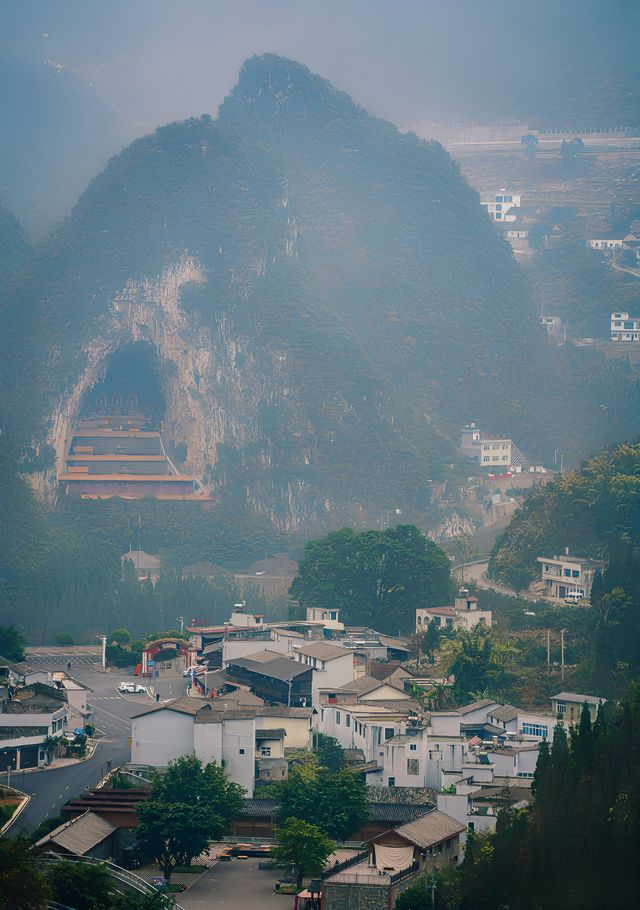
(195,869)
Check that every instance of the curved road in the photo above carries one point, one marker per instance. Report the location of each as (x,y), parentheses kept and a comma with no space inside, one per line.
(477,573)
(51,788)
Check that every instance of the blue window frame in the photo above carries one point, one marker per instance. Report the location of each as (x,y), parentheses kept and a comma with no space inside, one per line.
(535,730)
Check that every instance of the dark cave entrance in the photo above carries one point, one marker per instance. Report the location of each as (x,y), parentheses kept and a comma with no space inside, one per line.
(130,389)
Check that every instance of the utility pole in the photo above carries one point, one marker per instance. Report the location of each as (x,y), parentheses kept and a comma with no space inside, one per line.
(548,650)
(103,639)
(562,631)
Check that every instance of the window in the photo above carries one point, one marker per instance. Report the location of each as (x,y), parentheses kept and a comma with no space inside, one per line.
(471,826)
(388,732)
(241,751)
(337,717)
(508,198)
(347,720)
(413,748)
(567,573)
(413,766)
(265,751)
(391,782)
(499,199)
(535,730)
(498,214)
(575,573)
(561,707)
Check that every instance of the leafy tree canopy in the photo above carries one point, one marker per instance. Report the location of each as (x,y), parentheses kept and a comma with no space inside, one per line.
(188,806)
(303,845)
(23,885)
(334,801)
(11,643)
(375,578)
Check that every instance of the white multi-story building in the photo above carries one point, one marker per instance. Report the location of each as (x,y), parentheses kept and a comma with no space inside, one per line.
(239,737)
(499,205)
(332,664)
(625,327)
(567,576)
(492,451)
(464,614)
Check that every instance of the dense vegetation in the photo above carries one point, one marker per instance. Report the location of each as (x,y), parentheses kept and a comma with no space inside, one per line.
(374,578)
(579,845)
(594,511)
(62,572)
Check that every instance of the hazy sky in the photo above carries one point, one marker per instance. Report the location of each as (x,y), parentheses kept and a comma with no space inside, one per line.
(158,60)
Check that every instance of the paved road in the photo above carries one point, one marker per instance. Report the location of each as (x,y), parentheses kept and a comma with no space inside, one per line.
(51,788)
(236,884)
(477,573)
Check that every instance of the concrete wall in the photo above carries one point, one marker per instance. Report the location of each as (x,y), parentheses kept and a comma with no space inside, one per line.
(238,752)
(298,729)
(345,896)
(161,737)
(336,673)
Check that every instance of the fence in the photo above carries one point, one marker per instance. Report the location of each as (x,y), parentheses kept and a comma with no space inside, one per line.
(123,877)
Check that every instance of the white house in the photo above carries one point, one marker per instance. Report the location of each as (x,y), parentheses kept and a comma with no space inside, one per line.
(79,711)
(238,736)
(567,706)
(252,640)
(492,451)
(330,619)
(464,614)
(523,725)
(625,327)
(566,576)
(32,715)
(607,243)
(498,205)
(332,665)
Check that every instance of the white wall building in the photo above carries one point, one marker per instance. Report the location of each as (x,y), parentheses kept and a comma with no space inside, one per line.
(464,614)
(625,327)
(498,206)
(332,664)
(237,736)
(564,576)
(330,619)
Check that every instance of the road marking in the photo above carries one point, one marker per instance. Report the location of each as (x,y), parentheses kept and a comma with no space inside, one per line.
(66,788)
(115,716)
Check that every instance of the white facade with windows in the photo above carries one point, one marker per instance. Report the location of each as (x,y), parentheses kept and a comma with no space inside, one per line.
(567,576)
(625,327)
(499,205)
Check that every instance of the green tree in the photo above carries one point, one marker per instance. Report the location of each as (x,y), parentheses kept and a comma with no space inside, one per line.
(81,886)
(529,144)
(188,806)
(414,898)
(330,753)
(475,665)
(23,885)
(335,802)
(63,639)
(121,637)
(303,845)
(11,643)
(377,578)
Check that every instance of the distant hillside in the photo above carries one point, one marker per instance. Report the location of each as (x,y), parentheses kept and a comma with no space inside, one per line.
(15,250)
(594,510)
(56,135)
(326,302)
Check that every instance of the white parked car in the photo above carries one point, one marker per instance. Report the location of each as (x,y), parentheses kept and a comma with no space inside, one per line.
(131,687)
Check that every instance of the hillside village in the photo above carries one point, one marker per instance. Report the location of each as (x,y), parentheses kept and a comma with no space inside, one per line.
(258,697)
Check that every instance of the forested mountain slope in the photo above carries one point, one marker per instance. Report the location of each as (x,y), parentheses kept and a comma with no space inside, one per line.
(594,510)
(324,302)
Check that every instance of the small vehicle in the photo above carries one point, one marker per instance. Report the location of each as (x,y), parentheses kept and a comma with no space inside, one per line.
(574,597)
(132,688)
